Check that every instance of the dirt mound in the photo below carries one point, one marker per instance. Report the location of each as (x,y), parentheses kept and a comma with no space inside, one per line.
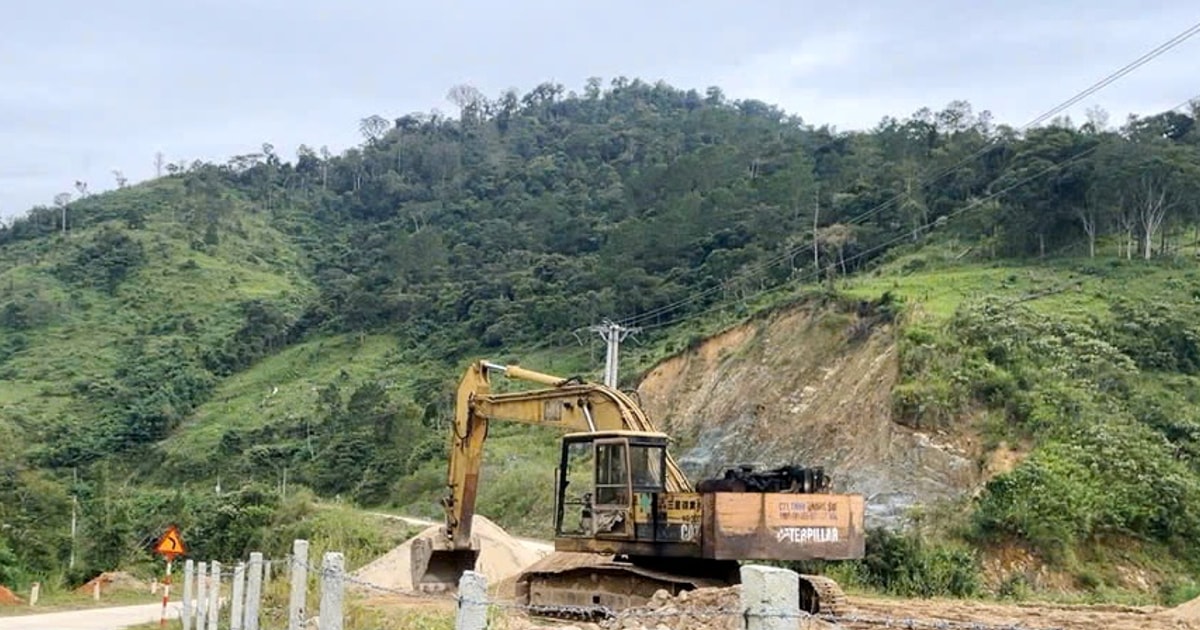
(1187,611)
(9,598)
(702,609)
(500,556)
(699,609)
(113,581)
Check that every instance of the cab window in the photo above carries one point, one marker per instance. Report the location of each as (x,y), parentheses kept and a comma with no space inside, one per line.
(612,474)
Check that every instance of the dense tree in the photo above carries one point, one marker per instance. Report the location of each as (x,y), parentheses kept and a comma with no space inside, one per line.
(435,221)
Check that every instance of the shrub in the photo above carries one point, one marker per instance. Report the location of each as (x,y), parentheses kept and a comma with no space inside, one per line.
(906,565)
(104,261)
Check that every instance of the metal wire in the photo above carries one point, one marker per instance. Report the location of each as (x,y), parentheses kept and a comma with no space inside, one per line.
(681,612)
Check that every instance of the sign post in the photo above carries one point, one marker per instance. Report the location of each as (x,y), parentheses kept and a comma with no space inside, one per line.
(169,546)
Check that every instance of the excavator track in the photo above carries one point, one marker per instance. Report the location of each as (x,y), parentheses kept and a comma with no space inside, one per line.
(820,595)
(586,586)
(589,587)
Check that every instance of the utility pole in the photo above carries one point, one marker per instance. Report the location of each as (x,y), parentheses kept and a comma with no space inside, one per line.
(613,334)
(74,516)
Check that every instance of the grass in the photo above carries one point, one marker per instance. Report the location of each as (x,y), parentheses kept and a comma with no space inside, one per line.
(63,600)
(279,387)
(1070,287)
(80,331)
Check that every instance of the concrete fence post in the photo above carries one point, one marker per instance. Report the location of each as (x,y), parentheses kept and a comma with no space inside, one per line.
(214,596)
(472,602)
(253,590)
(96,589)
(201,595)
(266,576)
(34,590)
(239,597)
(189,569)
(298,572)
(770,598)
(333,586)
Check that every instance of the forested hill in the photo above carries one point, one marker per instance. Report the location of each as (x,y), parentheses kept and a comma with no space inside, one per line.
(154,331)
(531,214)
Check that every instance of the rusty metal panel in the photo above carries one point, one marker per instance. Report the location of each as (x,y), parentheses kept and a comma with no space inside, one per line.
(552,411)
(758,526)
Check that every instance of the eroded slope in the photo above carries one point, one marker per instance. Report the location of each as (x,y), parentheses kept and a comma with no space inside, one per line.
(808,386)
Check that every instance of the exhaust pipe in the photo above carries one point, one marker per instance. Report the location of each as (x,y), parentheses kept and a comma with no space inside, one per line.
(437,566)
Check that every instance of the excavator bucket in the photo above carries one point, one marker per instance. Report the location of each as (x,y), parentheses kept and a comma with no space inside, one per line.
(437,566)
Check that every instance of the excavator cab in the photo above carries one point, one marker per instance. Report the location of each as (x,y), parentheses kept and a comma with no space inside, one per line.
(606,480)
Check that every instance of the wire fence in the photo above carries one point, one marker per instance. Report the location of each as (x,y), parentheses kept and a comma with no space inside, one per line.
(755,605)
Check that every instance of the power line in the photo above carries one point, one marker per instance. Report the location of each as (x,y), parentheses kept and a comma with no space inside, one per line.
(788,254)
(926,226)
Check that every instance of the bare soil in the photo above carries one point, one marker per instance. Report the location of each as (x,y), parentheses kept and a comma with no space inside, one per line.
(806,387)
(9,598)
(501,556)
(1067,617)
(113,581)
(719,609)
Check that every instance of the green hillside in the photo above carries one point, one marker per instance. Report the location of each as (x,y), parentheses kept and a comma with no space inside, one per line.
(281,326)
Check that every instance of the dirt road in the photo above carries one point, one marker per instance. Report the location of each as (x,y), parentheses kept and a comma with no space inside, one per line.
(92,618)
(1033,615)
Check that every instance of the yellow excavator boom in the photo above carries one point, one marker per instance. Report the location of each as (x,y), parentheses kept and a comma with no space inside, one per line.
(569,404)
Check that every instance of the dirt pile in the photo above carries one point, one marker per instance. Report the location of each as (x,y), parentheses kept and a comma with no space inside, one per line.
(9,598)
(700,609)
(1187,612)
(500,556)
(114,581)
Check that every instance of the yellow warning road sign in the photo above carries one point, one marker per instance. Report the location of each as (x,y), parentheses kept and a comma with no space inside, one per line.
(171,544)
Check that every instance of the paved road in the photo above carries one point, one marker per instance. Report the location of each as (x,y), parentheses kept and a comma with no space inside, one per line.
(114,618)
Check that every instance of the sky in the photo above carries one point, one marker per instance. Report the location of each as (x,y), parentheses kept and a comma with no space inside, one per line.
(89,87)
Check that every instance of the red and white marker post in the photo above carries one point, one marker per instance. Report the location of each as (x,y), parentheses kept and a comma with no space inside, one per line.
(169,546)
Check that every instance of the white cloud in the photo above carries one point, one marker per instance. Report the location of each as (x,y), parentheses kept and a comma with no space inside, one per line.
(120,80)
(1015,68)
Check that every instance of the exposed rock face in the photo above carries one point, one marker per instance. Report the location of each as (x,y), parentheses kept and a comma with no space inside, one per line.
(796,388)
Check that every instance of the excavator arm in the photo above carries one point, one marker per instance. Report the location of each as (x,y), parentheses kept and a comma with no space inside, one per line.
(569,404)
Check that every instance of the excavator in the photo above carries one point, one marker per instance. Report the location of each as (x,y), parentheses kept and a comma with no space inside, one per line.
(627,520)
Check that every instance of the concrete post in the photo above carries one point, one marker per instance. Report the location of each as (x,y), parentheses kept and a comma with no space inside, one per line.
(299,576)
(34,591)
(201,595)
(253,590)
(189,569)
(96,589)
(266,576)
(333,584)
(239,596)
(770,598)
(214,596)
(472,602)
